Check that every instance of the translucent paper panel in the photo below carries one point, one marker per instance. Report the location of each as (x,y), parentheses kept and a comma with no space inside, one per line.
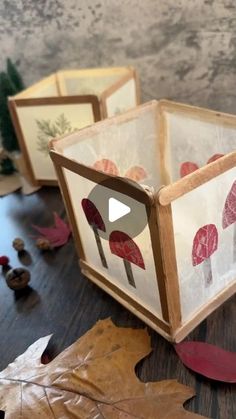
(128,144)
(39,124)
(45,88)
(90,82)
(205,241)
(192,140)
(146,291)
(122,99)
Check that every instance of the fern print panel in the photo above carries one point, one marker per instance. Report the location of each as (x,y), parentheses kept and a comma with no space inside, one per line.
(48,129)
(40,124)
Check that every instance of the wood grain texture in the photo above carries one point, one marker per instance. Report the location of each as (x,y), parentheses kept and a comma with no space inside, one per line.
(170,274)
(29,172)
(119,184)
(177,189)
(123,298)
(63,302)
(203,114)
(131,74)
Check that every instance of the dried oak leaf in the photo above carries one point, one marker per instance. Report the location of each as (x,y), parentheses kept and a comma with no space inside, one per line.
(94,378)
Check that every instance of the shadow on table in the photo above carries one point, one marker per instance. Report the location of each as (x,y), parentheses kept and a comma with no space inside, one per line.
(26,299)
(25,258)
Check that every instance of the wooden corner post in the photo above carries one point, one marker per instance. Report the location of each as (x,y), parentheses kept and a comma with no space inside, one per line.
(168,257)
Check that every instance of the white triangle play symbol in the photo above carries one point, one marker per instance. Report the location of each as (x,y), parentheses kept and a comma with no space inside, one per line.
(116,209)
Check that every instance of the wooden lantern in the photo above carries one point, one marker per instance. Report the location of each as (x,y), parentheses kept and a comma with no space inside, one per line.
(64,102)
(182,266)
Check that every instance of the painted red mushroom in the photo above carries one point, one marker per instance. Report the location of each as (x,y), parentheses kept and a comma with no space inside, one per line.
(124,247)
(95,220)
(137,173)
(106,166)
(229,212)
(205,243)
(188,167)
(214,158)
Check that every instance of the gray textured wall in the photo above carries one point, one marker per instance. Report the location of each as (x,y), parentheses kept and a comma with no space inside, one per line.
(183,49)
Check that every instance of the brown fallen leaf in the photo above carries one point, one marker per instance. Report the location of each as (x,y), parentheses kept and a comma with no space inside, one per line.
(94,378)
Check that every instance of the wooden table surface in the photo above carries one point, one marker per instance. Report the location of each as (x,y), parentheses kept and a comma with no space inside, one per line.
(63,302)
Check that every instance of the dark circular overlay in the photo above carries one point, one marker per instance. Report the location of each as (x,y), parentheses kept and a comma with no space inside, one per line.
(99,209)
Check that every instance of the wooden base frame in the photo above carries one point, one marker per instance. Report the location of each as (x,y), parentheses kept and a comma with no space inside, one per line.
(204,312)
(154,322)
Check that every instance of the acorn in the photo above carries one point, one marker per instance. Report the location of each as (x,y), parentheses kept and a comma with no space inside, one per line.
(18,244)
(43,244)
(17,278)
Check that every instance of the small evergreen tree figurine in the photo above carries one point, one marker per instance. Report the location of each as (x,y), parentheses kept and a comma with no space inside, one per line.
(14,76)
(6,166)
(10,84)
(9,140)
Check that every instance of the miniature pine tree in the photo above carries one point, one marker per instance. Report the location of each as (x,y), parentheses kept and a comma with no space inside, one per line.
(14,76)
(9,140)
(6,166)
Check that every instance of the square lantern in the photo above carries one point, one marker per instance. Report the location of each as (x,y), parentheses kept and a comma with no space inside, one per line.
(175,167)
(65,102)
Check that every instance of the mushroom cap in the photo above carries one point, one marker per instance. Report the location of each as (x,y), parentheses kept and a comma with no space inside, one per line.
(106,166)
(136,173)
(214,157)
(229,211)
(123,246)
(92,214)
(205,243)
(188,167)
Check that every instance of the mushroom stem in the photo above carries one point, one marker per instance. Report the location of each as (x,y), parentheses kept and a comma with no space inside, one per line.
(207,272)
(100,248)
(129,273)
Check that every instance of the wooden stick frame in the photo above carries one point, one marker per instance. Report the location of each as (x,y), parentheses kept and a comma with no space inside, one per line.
(31,90)
(88,72)
(26,98)
(175,190)
(167,194)
(132,74)
(128,188)
(15,103)
(160,221)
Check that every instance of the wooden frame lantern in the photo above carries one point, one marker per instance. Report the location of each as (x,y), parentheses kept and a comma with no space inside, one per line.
(64,102)
(176,164)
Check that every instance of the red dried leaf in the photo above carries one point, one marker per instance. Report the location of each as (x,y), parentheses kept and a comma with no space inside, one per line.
(137,173)
(92,214)
(208,360)
(45,359)
(188,167)
(106,166)
(57,235)
(214,158)
(123,246)
(204,244)
(229,212)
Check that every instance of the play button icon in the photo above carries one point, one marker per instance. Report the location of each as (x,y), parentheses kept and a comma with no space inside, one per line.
(117,210)
(108,207)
